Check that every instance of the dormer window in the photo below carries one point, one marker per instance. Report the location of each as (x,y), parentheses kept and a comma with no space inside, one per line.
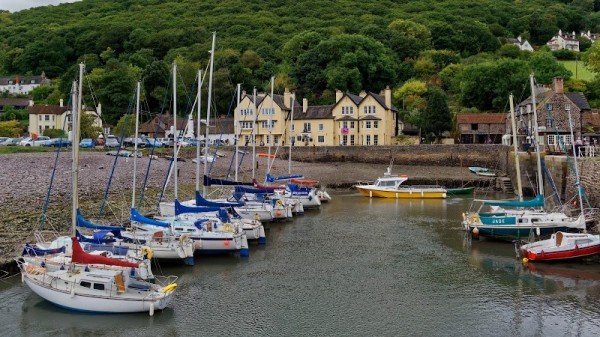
(347,110)
(567,106)
(549,106)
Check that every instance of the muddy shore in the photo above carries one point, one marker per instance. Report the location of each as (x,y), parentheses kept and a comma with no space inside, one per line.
(24,181)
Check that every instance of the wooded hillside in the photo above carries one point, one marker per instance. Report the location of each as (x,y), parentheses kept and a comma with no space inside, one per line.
(311,46)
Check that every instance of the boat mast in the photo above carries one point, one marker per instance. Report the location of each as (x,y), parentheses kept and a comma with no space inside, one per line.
(198,123)
(76,132)
(208,106)
(254,137)
(576,169)
(235,122)
(515,147)
(135,146)
(291,134)
(535,139)
(270,126)
(175,136)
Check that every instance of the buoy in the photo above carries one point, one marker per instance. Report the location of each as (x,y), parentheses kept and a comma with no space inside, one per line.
(226,243)
(151,309)
(475,231)
(525,260)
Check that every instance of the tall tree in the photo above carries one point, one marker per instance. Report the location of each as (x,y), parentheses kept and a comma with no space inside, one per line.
(436,116)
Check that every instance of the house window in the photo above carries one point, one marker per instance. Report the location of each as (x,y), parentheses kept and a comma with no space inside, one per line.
(246,112)
(551,139)
(246,125)
(40,117)
(268,111)
(321,139)
(276,140)
(375,139)
(567,139)
(40,132)
(265,124)
(268,138)
(549,106)
(351,139)
(321,127)
(567,106)
(351,125)
(368,140)
(53,118)
(375,124)
(247,139)
(306,127)
(47,117)
(550,123)
(347,110)
(474,126)
(345,140)
(345,124)
(369,109)
(47,127)
(293,127)
(368,124)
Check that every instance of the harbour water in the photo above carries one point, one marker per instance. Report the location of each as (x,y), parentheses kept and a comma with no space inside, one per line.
(357,267)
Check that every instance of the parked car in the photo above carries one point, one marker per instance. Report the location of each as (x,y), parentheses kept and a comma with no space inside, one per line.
(25,141)
(39,141)
(153,142)
(87,143)
(100,141)
(2,139)
(112,142)
(11,142)
(58,142)
(131,141)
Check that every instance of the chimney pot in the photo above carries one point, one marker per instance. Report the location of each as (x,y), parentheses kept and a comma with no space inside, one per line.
(558,85)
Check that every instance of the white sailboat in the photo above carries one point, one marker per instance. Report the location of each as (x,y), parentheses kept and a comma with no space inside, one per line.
(93,283)
(216,238)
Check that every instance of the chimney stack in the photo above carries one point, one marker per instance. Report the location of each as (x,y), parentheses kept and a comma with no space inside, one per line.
(362,93)
(304,105)
(338,95)
(61,102)
(388,97)
(287,96)
(558,85)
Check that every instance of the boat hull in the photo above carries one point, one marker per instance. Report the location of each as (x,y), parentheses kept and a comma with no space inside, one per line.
(408,193)
(74,300)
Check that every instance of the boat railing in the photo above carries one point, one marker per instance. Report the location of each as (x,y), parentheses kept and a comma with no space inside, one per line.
(419,186)
(165,280)
(365,182)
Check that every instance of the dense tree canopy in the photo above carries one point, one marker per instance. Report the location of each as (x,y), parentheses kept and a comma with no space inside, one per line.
(311,46)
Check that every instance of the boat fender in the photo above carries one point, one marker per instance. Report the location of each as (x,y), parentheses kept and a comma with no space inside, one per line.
(474,218)
(151,311)
(147,252)
(183,239)
(278,203)
(256,217)
(169,288)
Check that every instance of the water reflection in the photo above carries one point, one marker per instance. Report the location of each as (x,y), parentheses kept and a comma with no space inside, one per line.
(358,267)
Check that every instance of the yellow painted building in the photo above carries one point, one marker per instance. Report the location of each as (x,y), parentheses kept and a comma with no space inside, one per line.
(367,119)
(43,117)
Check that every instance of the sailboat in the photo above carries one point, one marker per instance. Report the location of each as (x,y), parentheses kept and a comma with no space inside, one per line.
(210,233)
(93,283)
(518,219)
